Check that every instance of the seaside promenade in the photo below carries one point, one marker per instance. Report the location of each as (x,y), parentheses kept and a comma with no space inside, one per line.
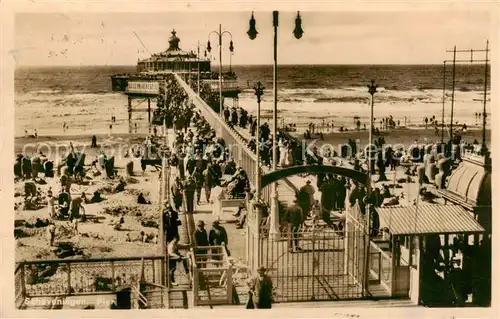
(181,295)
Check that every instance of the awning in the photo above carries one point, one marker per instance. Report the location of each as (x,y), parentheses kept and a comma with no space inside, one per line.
(428,219)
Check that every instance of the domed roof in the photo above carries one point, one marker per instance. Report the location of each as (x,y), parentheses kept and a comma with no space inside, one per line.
(471,182)
(173,42)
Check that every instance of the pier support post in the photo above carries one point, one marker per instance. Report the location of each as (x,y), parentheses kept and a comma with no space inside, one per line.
(149,116)
(129,109)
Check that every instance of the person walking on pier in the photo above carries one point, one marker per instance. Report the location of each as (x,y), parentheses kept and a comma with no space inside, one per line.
(177,193)
(201,240)
(309,190)
(208,181)
(198,180)
(294,218)
(253,127)
(189,190)
(172,222)
(216,197)
(217,237)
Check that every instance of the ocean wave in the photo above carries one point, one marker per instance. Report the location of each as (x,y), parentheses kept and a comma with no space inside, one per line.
(360,95)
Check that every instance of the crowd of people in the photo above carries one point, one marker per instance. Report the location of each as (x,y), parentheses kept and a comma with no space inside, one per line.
(202,170)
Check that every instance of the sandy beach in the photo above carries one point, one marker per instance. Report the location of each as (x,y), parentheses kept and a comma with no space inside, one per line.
(95,238)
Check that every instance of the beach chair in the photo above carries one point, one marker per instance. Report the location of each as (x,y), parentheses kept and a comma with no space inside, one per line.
(26,166)
(29,189)
(18,169)
(49,169)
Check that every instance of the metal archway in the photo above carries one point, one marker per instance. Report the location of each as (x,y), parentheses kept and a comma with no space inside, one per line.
(314,169)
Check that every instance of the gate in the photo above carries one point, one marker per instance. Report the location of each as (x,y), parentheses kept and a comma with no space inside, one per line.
(328,266)
(355,245)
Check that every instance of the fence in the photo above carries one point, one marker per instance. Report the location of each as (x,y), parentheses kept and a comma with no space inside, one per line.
(94,276)
(356,244)
(227,85)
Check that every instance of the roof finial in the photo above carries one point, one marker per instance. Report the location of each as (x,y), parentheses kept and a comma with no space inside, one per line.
(173,32)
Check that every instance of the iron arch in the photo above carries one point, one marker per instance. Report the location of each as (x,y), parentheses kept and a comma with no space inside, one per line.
(313,169)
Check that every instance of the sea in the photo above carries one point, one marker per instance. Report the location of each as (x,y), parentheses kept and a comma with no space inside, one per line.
(46,98)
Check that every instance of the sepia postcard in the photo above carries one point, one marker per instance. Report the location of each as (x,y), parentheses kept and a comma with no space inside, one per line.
(315,159)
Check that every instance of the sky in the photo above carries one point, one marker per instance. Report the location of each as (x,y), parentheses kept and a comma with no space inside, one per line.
(406,37)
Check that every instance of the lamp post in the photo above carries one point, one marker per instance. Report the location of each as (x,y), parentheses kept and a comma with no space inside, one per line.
(372,89)
(220,33)
(259,91)
(252,34)
(484,148)
(198,47)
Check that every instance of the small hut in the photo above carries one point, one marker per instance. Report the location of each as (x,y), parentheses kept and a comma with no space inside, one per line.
(469,186)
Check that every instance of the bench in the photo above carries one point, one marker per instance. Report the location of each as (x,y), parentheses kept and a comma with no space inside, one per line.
(236,202)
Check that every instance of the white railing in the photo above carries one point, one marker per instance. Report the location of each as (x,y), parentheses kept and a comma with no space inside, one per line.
(227,85)
(149,87)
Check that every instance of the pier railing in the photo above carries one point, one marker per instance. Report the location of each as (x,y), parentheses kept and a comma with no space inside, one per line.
(227,85)
(236,143)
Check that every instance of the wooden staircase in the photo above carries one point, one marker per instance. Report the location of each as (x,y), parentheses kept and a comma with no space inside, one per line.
(212,277)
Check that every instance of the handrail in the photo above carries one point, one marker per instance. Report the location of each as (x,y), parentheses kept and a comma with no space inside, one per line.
(194,277)
(90,260)
(378,249)
(209,110)
(140,296)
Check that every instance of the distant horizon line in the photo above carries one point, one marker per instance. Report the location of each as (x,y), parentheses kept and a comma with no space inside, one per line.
(238,65)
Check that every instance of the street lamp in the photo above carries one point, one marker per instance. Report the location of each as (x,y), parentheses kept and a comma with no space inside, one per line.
(259,91)
(220,33)
(198,47)
(372,89)
(252,34)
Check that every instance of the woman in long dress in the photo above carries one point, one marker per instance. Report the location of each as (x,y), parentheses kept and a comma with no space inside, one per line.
(284,154)
(216,197)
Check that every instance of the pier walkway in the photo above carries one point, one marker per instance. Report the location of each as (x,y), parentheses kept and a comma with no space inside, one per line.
(238,140)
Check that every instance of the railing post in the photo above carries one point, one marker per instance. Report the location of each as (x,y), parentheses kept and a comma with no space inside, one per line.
(113,276)
(153,262)
(379,267)
(23,281)
(69,278)
(229,284)
(347,239)
(196,283)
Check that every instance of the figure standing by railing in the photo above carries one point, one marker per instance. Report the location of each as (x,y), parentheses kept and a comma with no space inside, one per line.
(218,237)
(201,240)
(294,218)
(174,258)
(261,291)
